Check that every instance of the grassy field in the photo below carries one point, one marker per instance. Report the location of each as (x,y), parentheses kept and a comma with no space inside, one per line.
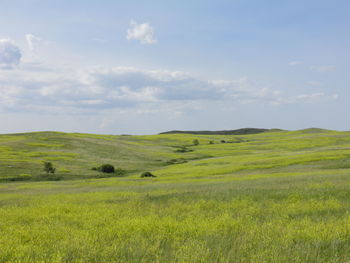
(271,197)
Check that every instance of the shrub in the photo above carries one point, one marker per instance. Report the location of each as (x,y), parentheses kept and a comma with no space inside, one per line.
(106,168)
(211,142)
(195,142)
(175,161)
(48,168)
(147,174)
(222,141)
(183,149)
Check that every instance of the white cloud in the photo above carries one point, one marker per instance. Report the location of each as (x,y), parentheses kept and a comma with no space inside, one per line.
(10,54)
(32,41)
(72,91)
(316,97)
(324,68)
(295,63)
(142,32)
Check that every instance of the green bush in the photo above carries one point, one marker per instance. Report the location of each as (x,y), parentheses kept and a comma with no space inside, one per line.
(106,168)
(183,149)
(195,142)
(175,161)
(147,174)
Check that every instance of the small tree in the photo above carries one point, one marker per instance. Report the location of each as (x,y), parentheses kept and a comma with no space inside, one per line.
(195,142)
(48,168)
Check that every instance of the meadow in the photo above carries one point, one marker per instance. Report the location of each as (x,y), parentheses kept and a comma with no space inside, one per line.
(279,196)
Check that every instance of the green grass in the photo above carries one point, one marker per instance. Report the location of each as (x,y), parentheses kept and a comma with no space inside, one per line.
(269,197)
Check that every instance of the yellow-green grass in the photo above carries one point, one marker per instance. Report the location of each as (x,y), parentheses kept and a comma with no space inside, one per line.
(270,197)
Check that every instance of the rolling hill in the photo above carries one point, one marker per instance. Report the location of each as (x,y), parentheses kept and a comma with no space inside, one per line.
(280,196)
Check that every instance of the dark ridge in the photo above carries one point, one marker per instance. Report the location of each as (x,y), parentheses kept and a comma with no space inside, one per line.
(226,132)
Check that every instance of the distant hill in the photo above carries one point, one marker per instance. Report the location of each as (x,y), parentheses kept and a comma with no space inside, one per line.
(314,130)
(242,131)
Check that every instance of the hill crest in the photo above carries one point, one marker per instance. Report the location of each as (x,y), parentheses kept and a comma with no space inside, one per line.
(242,131)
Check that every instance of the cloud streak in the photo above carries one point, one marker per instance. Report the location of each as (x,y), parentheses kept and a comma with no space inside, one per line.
(324,68)
(295,63)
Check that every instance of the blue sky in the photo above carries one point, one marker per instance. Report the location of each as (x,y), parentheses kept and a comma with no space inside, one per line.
(143,67)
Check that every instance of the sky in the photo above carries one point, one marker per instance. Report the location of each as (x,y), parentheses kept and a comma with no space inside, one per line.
(143,67)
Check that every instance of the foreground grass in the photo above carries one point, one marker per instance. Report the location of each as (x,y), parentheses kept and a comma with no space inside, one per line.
(276,197)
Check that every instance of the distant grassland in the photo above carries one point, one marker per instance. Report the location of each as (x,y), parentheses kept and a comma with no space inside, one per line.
(271,197)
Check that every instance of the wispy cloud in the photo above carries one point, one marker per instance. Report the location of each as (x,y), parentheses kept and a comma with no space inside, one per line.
(142,32)
(324,68)
(32,41)
(295,63)
(316,97)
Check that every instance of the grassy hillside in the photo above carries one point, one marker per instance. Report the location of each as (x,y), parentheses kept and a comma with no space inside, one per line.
(75,154)
(268,197)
